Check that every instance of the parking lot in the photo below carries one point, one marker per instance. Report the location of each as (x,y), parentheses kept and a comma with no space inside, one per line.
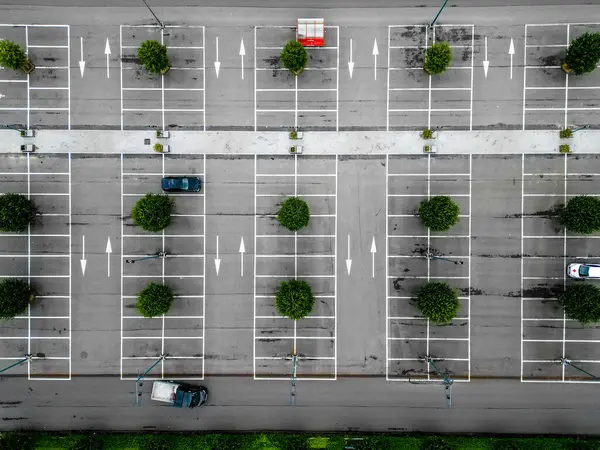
(180,333)
(175,100)
(551,96)
(42,256)
(418,100)
(41,99)
(307,101)
(549,181)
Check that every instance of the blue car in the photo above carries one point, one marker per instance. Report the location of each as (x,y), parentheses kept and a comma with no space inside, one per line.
(181,184)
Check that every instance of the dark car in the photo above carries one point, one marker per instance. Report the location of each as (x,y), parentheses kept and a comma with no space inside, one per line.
(181,184)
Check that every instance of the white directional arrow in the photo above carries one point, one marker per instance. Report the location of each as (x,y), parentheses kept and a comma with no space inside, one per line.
(511,52)
(108,252)
(217,260)
(217,65)
(373,251)
(2,95)
(242,54)
(242,251)
(349,261)
(83,260)
(81,61)
(375,53)
(351,62)
(107,53)
(486,63)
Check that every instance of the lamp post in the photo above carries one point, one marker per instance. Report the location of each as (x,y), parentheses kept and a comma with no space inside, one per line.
(432,23)
(566,362)
(159,254)
(139,380)
(27,357)
(162,25)
(447,381)
(294,371)
(583,127)
(432,256)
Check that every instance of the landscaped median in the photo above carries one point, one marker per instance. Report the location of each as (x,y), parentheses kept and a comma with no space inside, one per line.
(284,441)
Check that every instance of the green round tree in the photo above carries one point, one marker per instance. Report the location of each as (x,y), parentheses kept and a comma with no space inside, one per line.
(12,56)
(581,302)
(439,213)
(154,300)
(582,214)
(153,212)
(293,214)
(294,299)
(17,212)
(15,295)
(583,54)
(438,302)
(294,57)
(153,56)
(437,58)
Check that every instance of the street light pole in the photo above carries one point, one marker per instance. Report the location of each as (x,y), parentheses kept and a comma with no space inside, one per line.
(161,255)
(432,23)
(26,358)
(448,382)
(566,362)
(583,127)
(162,25)
(432,256)
(139,380)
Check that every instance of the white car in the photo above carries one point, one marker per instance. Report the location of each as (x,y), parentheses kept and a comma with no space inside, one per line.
(583,271)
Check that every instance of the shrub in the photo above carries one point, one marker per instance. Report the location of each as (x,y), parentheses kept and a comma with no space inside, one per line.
(17,212)
(427,133)
(439,213)
(12,56)
(581,302)
(583,54)
(158,147)
(437,58)
(293,214)
(13,441)
(435,443)
(153,212)
(15,296)
(438,302)
(564,148)
(566,133)
(154,300)
(427,148)
(153,56)
(294,299)
(294,57)
(582,214)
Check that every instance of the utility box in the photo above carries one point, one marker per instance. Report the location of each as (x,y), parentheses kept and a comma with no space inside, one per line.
(311,32)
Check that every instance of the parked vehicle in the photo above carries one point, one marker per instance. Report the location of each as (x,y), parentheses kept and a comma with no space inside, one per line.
(181,184)
(179,395)
(583,271)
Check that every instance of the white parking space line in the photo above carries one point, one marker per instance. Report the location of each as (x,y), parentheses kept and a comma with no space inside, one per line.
(162,87)
(564,237)
(296,257)
(429,88)
(428,338)
(30,88)
(566,86)
(296,110)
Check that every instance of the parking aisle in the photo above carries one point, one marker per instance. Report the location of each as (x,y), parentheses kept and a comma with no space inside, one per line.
(551,96)
(42,256)
(178,335)
(309,101)
(174,100)
(41,99)
(547,335)
(309,255)
(417,100)
(410,337)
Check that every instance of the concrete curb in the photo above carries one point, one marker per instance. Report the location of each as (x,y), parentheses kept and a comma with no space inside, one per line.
(313,142)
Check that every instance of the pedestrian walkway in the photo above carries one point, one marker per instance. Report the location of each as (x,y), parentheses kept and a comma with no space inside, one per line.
(313,143)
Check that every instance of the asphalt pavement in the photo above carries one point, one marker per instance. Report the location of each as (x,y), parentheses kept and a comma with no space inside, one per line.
(366,359)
